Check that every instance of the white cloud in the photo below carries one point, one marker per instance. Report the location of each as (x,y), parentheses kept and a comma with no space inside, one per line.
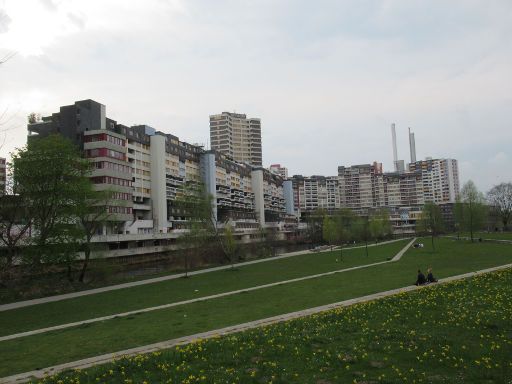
(327,79)
(500,158)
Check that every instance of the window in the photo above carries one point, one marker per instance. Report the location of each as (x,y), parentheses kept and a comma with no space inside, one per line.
(111,180)
(123,210)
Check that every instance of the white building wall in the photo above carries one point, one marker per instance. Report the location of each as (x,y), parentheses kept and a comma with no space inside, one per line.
(257,189)
(158,185)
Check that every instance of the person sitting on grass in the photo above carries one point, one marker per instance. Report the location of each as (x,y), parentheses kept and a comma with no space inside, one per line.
(421,279)
(430,276)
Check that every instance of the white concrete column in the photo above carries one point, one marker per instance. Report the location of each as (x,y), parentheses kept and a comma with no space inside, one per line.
(257,189)
(208,174)
(158,187)
(288,197)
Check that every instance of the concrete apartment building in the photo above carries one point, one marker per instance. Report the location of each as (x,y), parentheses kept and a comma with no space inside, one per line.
(361,186)
(440,178)
(279,170)
(366,188)
(237,136)
(147,170)
(3,175)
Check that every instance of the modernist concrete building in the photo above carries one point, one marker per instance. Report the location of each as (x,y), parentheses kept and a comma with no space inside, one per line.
(440,179)
(237,136)
(279,170)
(147,170)
(366,188)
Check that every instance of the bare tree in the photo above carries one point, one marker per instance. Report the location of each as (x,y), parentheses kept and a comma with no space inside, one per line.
(15,223)
(7,57)
(473,205)
(500,197)
(91,211)
(228,244)
(431,221)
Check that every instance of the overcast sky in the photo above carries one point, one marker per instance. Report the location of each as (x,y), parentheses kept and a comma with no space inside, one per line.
(327,78)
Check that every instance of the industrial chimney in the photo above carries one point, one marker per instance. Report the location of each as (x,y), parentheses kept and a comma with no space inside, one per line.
(412,146)
(395,156)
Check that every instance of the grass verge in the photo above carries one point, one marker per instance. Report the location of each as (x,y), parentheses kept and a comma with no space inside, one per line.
(170,291)
(452,257)
(458,332)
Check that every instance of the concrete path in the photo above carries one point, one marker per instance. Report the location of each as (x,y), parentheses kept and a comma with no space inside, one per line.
(204,298)
(49,299)
(503,241)
(107,358)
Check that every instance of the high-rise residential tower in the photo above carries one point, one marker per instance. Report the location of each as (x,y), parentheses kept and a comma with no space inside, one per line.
(278,170)
(237,136)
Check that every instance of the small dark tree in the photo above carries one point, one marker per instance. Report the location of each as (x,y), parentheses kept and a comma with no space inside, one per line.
(92,213)
(500,198)
(361,230)
(379,225)
(329,231)
(15,224)
(473,206)
(195,204)
(458,213)
(229,245)
(431,221)
(51,175)
(314,225)
(344,218)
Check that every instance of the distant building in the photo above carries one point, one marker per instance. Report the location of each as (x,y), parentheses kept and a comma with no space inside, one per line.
(278,170)
(365,188)
(361,186)
(440,179)
(237,136)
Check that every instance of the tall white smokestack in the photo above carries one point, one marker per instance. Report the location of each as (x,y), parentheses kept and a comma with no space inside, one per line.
(412,146)
(395,156)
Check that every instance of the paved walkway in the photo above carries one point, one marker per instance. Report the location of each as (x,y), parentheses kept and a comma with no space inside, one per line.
(204,298)
(476,238)
(49,299)
(107,358)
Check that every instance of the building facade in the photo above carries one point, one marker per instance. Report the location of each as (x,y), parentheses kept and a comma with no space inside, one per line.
(440,179)
(279,170)
(237,136)
(147,171)
(366,188)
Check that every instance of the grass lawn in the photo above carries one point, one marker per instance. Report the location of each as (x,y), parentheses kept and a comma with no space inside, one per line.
(454,333)
(123,300)
(452,257)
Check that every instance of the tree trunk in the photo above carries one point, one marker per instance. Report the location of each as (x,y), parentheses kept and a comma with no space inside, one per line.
(471,225)
(70,277)
(433,246)
(87,252)
(471,221)
(186,262)
(10,258)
